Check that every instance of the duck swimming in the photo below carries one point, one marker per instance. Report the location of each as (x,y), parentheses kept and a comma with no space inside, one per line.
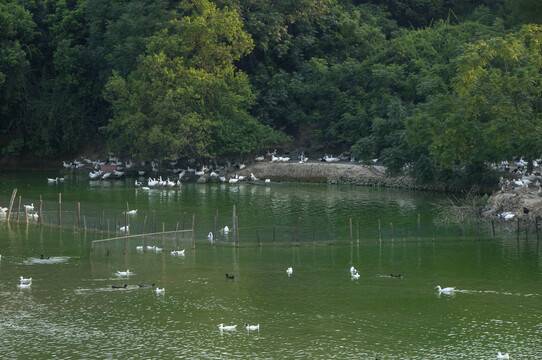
(160,291)
(25,281)
(123,273)
(252,327)
(119,287)
(146,286)
(289,271)
(446,290)
(396,276)
(230,277)
(227,327)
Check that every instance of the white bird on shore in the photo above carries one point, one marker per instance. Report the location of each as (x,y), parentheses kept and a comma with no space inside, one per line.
(259,158)
(289,271)
(25,281)
(502,356)
(227,327)
(446,290)
(267,181)
(252,327)
(233,180)
(158,249)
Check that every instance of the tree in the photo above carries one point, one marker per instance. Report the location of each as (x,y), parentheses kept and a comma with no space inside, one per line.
(186,95)
(494,111)
(18,30)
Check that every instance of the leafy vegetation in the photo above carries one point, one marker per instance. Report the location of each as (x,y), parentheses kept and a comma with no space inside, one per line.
(439,88)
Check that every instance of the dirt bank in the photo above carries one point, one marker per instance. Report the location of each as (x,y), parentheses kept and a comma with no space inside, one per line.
(523,204)
(332,173)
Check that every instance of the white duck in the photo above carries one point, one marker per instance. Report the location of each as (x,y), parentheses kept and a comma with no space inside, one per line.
(353,270)
(289,271)
(355,276)
(160,291)
(139,248)
(124,229)
(502,356)
(158,249)
(52,180)
(24,286)
(225,230)
(178,252)
(25,281)
(210,236)
(446,290)
(252,327)
(29,207)
(124,273)
(227,327)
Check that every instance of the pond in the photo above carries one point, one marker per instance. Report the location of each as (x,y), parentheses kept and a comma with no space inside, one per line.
(318,312)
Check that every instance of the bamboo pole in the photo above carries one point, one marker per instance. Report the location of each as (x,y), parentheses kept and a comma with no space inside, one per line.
(176,235)
(493,226)
(313,236)
(518,230)
(237,229)
(163,235)
(40,217)
(59,209)
(184,223)
(357,231)
(233,226)
(419,229)
(391,229)
(85,222)
(259,239)
(536,226)
(19,208)
(143,232)
(298,229)
(351,233)
(193,237)
(78,215)
(379,231)
(26,214)
(11,203)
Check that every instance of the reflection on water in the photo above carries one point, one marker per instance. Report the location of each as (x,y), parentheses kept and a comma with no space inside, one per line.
(73,311)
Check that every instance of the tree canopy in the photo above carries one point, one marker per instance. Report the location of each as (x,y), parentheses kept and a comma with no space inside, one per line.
(434,87)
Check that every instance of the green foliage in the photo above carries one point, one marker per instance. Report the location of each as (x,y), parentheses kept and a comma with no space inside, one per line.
(186,95)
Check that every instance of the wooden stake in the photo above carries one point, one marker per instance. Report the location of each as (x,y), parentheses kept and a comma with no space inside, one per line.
(351,232)
(78,215)
(193,238)
(298,229)
(19,208)
(163,235)
(313,236)
(85,222)
(237,229)
(391,229)
(379,231)
(40,217)
(59,209)
(518,230)
(233,222)
(11,203)
(176,235)
(357,231)
(493,226)
(184,221)
(143,232)
(419,231)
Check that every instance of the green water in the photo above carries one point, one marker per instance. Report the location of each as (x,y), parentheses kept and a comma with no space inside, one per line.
(319,312)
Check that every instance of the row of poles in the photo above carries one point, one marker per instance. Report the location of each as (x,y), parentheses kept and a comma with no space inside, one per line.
(235,225)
